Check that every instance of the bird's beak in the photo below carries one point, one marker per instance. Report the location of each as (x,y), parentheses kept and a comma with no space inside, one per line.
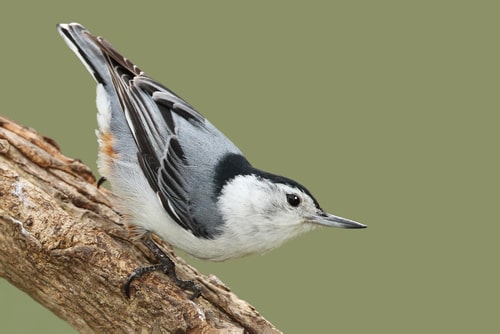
(326,219)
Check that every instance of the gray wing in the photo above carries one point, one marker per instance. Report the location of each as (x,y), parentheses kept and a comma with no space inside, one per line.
(170,137)
(156,116)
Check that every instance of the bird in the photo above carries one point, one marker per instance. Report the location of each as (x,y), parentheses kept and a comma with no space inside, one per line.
(177,176)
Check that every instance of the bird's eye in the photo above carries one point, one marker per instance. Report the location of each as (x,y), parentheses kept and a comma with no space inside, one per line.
(293,199)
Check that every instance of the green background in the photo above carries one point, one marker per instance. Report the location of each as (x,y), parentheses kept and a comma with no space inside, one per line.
(386,110)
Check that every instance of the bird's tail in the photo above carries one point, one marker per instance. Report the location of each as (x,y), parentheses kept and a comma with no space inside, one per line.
(103,62)
(84,45)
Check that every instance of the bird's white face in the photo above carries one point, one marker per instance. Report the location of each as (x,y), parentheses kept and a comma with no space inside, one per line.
(261,214)
(268,204)
(291,206)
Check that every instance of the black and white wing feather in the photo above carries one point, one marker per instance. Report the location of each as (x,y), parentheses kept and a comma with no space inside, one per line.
(169,134)
(176,174)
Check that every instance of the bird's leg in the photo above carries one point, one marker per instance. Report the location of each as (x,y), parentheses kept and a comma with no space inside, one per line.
(166,265)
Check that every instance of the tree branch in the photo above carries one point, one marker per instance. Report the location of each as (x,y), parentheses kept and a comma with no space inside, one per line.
(62,242)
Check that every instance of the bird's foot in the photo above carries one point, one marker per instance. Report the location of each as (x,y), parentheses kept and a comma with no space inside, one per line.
(167,266)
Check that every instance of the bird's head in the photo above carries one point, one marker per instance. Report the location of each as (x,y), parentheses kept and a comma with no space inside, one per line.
(272,209)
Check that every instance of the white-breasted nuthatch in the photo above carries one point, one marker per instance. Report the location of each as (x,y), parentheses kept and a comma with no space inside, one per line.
(178,176)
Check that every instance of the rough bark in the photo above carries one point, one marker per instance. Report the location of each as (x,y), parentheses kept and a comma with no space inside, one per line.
(62,242)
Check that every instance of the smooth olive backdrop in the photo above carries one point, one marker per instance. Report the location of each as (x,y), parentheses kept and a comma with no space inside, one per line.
(386,110)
